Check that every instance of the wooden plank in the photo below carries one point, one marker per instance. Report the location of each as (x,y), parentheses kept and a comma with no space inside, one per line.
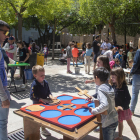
(67,107)
(31,129)
(82,92)
(82,131)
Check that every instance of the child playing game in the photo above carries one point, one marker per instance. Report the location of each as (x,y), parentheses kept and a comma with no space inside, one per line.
(45,51)
(102,61)
(40,90)
(122,101)
(75,54)
(106,97)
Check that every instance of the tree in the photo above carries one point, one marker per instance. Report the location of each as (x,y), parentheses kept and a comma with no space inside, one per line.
(54,13)
(106,11)
(21,9)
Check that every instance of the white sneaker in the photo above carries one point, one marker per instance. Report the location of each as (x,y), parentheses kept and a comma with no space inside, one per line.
(45,132)
(23,86)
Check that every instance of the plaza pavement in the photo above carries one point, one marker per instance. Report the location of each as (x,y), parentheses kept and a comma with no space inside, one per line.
(62,83)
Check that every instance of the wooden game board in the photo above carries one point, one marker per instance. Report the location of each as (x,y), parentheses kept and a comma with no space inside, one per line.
(32,128)
(70,109)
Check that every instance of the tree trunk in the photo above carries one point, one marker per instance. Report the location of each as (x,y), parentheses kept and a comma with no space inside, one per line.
(19,27)
(53,39)
(16,33)
(113,32)
(113,18)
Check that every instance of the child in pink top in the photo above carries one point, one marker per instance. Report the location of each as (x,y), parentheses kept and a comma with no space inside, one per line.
(75,54)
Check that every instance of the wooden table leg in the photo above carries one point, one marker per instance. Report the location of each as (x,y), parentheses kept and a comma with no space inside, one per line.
(101,133)
(66,138)
(31,129)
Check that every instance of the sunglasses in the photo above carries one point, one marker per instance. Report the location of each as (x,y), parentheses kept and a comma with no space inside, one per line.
(5,32)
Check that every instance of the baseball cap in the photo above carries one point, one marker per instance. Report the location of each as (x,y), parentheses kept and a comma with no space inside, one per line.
(11,38)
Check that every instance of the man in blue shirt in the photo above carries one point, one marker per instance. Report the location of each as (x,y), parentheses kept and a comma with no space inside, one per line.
(4,93)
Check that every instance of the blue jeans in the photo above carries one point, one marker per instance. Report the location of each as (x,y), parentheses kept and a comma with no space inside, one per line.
(4,120)
(109,131)
(135,91)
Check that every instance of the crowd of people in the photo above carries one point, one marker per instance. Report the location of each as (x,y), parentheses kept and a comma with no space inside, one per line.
(108,74)
(12,49)
(110,78)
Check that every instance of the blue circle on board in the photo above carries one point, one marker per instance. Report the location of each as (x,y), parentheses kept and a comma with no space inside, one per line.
(74,106)
(69,120)
(79,101)
(91,105)
(82,112)
(65,97)
(50,113)
(28,110)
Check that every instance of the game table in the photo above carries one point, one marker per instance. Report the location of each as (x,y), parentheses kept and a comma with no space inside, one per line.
(68,118)
(18,64)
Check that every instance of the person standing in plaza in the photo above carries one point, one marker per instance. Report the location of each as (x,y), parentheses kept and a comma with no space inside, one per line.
(105,46)
(88,53)
(4,93)
(11,50)
(23,57)
(136,79)
(119,56)
(130,55)
(69,55)
(96,49)
(75,52)
(110,53)
(45,51)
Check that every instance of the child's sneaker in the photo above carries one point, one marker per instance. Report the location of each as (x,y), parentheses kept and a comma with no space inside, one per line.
(23,86)
(97,129)
(45,132)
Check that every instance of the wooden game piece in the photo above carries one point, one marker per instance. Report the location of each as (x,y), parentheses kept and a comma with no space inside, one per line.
(83,92)
(67,107)
(52,102)
(35,108)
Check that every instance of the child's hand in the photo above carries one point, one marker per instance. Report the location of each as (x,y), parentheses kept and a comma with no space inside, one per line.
(119,108)
(87,81)
(90,110)
(89,98)
(42,100)
(53,98)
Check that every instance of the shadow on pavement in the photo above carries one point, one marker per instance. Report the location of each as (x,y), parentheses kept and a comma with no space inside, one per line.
(124,137)
(88,137)
(57,83)
(14,104)
(137,115)
(63,84)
